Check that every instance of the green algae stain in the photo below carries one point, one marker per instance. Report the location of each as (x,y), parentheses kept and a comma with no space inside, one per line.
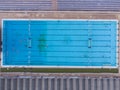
(42,43)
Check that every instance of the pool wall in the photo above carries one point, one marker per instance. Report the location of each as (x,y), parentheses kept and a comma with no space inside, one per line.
(61,66)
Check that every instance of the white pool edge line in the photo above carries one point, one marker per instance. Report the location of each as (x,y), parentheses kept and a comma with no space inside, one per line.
(61,19)
(117,45)
(30,66)
(117,60)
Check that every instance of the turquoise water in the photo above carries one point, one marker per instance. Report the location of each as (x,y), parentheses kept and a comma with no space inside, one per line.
(59,43)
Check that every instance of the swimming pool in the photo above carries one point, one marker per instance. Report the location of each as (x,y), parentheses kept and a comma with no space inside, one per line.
(59,43)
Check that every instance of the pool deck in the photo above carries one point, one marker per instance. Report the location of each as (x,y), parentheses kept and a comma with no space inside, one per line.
(107,75)
(61,15)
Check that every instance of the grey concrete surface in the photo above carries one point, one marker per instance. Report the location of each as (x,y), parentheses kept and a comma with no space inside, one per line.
(89,5)
(60,5)
(59,83)
(24,5)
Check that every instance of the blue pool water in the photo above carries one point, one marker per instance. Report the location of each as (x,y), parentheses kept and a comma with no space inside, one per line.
(59,43)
